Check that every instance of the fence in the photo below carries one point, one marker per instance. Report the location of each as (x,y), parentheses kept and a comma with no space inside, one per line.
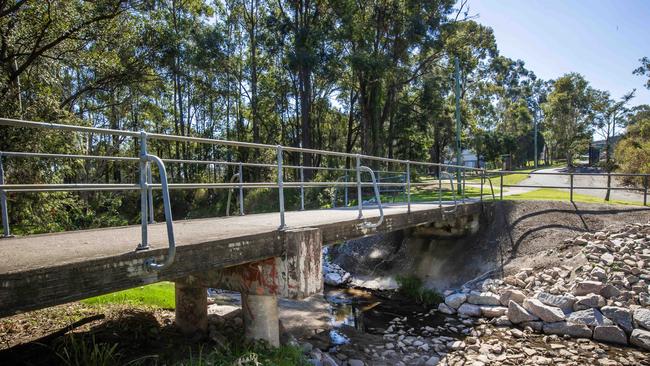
(146,184)
(571,186)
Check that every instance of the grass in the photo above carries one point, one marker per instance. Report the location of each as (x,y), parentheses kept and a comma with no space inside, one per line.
(78,351)
(513,179)
(413,288)
(548,194)
(240,353)
(158,294)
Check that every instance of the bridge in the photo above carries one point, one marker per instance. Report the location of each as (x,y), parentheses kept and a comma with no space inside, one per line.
(264,256)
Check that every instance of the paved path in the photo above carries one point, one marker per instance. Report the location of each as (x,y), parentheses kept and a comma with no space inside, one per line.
(580,181)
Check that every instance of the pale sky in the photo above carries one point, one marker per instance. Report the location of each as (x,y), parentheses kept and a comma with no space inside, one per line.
(600,39)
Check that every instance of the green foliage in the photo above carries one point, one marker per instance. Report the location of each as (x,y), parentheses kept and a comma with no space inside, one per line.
(569,111)
(80,351)
(158,294)
(412,287)
(244,353)
(644,70)
(633,150)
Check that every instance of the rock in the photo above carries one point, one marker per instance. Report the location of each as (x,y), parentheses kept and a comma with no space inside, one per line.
(588,287)
(610,334)
(640,338)
(432,361)
(563,302)
(333,279)
(455,300)
(306,347)
(570,329)
(446,309)
(610,291)
(607,258)
(469,310)
(644,299)
(514,295)
(456,345)
(517,314)
(517,333)
(536,326)
(620,316)
(483,298)
(591,317)
(642,317)
(502,321)
(493,311)
(328,360)
(355,362)
(547,313)
(599,274)
(589,301)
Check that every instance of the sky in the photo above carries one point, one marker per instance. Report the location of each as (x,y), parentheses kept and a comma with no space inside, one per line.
(600,39)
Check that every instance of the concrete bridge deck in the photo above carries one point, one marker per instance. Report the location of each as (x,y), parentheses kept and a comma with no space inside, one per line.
(44,270)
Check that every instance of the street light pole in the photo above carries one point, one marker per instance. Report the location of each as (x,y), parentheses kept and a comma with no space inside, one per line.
(459,159)
(535,137)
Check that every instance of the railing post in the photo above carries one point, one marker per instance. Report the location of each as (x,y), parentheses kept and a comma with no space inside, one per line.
(346,189)
(408,186)
(462,197)
(645,190)
(302,181)
(359,193)
(501,186)
(150,193)
(440,186)
(144,191)
(281,188)
(482,177)
(6,233)
(571,187)
(241,189)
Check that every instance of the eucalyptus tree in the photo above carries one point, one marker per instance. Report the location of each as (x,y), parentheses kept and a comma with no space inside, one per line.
(568,111)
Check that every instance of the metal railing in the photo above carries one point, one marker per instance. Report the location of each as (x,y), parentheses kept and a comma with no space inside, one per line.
(571,184)
(146,184)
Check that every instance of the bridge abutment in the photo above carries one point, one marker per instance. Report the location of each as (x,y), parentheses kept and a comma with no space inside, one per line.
(296,274)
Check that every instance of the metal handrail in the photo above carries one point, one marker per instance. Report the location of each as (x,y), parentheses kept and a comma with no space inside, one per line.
(366,224)
(236,175)
(151,263)
(158,136)
(336,191)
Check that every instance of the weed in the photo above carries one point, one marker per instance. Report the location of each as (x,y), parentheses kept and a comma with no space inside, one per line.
(78,351)
(412,287)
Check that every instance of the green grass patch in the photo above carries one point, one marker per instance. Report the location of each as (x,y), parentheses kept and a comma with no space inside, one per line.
(413,288)
(513,179)
(549,194)
(241,353)
(158,294)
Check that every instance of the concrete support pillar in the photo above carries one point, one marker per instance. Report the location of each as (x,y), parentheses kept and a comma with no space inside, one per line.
(191,308)
(261,319)
(297,273)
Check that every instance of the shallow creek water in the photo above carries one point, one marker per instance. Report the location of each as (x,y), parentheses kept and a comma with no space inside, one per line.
(373,313)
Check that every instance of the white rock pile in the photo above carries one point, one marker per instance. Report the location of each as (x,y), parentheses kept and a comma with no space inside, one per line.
(334,275)
(606,297)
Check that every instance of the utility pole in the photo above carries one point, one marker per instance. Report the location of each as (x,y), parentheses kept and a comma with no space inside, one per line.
(459,160)
(535,137)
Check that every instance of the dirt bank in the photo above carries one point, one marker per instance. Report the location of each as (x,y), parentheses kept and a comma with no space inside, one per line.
(512,235)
